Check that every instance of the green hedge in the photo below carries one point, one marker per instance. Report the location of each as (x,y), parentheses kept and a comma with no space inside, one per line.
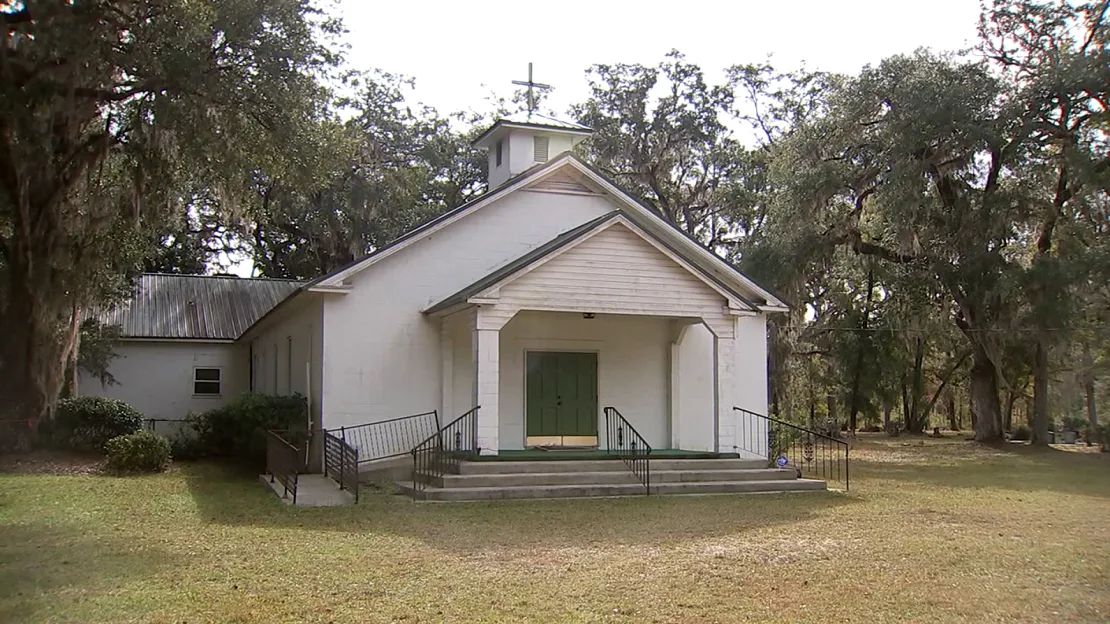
(238,429)
(87,423)
(138,452)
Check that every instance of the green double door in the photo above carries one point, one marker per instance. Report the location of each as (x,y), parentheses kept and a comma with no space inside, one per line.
(561,399)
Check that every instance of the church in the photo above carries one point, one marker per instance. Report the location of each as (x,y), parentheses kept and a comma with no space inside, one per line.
(540,308)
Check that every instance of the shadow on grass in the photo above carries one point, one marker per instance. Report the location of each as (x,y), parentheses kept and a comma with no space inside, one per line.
(50,566)
(1010,467)
(224,496)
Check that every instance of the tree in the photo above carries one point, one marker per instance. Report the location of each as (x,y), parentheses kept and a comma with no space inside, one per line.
(107,110)
(1055,60)
(660,132)
(369,180)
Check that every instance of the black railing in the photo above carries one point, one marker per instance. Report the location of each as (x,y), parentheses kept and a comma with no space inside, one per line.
(284,462)
(442,451)
(622,439)
(785,445)
(390,438)
(341,462)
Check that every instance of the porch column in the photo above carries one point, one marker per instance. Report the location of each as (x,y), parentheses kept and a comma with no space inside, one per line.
(488,321)
(724,342)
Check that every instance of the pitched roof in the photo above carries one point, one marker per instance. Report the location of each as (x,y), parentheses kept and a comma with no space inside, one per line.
(512,267)
(198,307)
(564,240)
(533,120)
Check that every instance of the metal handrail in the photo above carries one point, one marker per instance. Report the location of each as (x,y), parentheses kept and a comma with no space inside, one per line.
(630,446)
(811,453)
(442,451)
(341,462)
(284,462)
(393,437)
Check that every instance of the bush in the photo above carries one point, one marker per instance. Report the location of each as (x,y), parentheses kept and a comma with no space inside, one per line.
(1073,423)
(87,423)
(138,452)
(870,429)
(238,428)
(1021,433)
(1104,437)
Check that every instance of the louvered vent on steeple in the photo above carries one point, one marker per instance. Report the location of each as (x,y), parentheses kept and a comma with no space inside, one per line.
(540,145)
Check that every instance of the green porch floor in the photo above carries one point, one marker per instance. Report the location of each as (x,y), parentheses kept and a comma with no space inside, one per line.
(537,454)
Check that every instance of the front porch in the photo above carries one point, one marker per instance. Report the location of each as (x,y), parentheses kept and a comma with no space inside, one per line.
(543,377)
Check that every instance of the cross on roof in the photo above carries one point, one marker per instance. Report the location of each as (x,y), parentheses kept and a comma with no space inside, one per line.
(531,85)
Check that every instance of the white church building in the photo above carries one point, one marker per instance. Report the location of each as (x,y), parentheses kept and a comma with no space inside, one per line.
(550,297)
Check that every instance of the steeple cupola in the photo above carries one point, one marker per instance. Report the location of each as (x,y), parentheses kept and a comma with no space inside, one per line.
(519,143)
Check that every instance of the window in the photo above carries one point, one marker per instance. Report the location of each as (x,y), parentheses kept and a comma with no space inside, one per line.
(498,150)
(206,381)
(540,145)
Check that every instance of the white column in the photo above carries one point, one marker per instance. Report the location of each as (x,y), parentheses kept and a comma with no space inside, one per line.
(488,321)
(725,356)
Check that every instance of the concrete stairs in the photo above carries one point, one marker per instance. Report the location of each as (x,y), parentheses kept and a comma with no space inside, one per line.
(494,480)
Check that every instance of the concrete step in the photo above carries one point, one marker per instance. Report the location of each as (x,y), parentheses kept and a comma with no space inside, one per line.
(610,477)
(603,465)
(598,490)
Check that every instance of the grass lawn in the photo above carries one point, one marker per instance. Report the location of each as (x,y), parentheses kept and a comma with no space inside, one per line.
(948,531)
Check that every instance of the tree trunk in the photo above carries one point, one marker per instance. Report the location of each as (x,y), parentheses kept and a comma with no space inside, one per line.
(1008,413)
(863,344)
(887,408)
(950,407)
(830,404)
(32,357)
(1092,413)
(1039,419)
(983,395)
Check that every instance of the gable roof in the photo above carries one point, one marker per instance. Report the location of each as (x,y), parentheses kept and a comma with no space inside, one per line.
(564,241)
(681,242)
(195,307)
(535,121)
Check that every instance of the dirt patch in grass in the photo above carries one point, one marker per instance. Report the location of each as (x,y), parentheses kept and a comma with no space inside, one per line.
(51,463)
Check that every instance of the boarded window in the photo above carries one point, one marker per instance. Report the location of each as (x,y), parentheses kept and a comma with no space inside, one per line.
(499,146)
(206,381)
(540,145)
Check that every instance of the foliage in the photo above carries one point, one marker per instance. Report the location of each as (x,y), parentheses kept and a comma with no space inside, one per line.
(109,113)
(1021,433)
(1072,423)
(86,423)
(97,349)
(143,451)
(237,430)
(386,170)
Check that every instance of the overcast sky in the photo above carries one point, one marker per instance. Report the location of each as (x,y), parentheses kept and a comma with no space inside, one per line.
(459,52)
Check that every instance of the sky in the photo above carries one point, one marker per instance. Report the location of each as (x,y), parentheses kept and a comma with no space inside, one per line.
(461,52)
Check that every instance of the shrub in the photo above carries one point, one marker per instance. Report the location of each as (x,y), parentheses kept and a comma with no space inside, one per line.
(1104,437)
(870,429)
(86,423)
(1073,423)
(138,452)
(1021,433)
(238,428)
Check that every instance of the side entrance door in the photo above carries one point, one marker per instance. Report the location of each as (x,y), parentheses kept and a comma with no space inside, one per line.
(561,399)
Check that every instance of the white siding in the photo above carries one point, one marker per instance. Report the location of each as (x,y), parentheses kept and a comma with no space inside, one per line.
(383,356)
(156,378)
(287,351)
(614,271)
(632,368)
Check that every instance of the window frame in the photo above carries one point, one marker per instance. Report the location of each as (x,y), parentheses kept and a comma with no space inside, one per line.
(218,381)
(499,149)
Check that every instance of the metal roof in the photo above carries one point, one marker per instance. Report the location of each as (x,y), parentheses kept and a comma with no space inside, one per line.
(198,307)
(535,121)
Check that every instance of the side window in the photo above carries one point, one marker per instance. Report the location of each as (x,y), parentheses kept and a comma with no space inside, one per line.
(206,381)
(499,147)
